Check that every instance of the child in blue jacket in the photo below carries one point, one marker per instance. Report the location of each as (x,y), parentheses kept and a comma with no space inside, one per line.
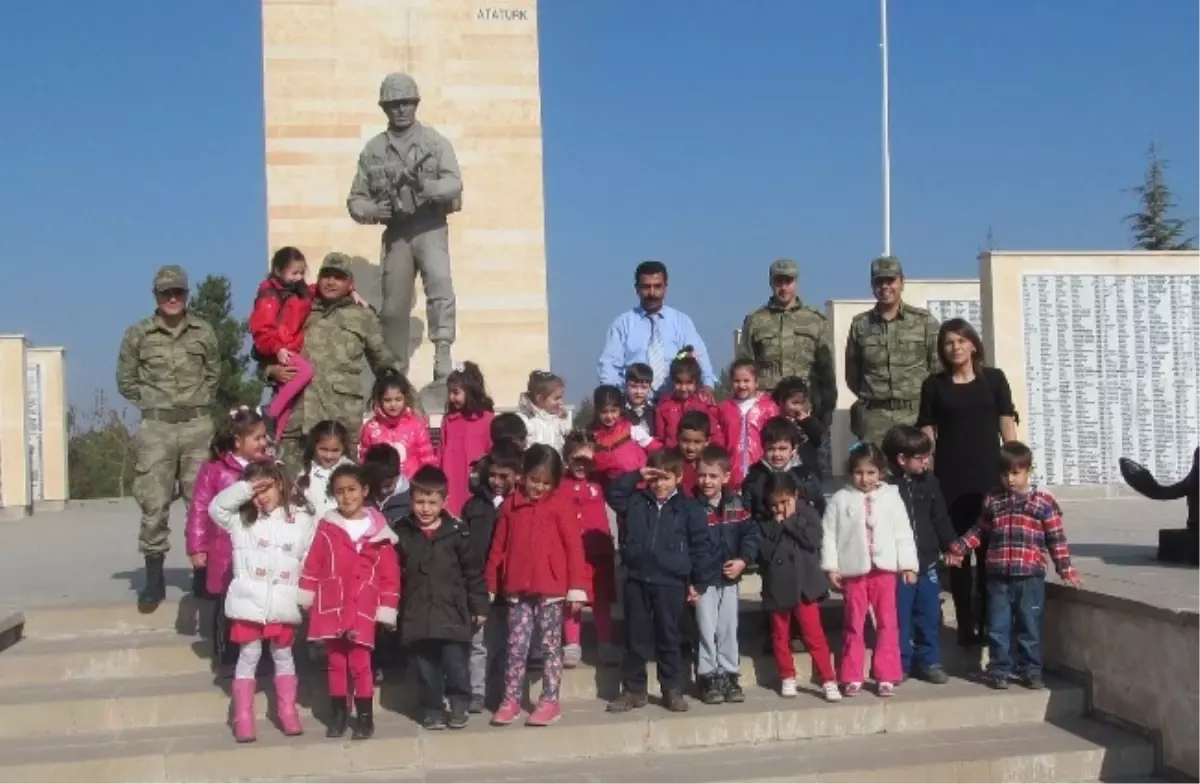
(665,545)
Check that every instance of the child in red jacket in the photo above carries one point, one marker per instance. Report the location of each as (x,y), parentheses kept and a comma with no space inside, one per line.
(396,423)
(741,418)
(536,563)
(281,306)
(685,396)
(465,432)
(586,500)
(350,581)
(620,446)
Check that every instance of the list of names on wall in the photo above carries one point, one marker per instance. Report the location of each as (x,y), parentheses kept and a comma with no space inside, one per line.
(967,309)
(33,389)
(1111,366)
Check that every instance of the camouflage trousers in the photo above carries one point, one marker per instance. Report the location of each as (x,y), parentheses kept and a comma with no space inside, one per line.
(420,245)
(871,424)
(166,453)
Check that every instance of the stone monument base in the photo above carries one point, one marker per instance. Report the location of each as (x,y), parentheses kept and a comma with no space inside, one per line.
(1179,546)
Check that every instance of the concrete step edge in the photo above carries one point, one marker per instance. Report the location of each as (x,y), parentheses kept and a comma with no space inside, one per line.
(1028,751)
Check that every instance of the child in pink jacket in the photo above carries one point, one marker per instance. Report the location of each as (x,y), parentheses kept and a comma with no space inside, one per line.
(466,432)
(741,418)
(242,440)
(396,424)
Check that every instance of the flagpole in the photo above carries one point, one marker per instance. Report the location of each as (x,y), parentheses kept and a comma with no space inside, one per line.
(887,145)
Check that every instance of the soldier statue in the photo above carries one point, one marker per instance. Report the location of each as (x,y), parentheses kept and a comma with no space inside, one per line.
(408,182)
(167,367)
(890,351)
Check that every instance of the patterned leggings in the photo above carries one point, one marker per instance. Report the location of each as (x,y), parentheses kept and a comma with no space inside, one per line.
(522,616)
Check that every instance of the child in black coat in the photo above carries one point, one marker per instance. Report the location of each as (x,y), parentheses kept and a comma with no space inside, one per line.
(919,606)
(780,441)
(502,467)
(791,394)
(793,583)
(440,579)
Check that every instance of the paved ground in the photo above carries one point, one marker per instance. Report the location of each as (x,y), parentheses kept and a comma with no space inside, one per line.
(87,554)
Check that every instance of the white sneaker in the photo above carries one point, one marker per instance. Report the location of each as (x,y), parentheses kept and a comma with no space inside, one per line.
(572,656)
(788,688)
(832,692)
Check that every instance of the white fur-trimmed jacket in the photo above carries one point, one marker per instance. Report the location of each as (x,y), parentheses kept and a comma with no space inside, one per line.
(845,548)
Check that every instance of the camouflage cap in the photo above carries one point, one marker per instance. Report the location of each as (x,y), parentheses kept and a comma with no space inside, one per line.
(784,268)
(336,262)
(886,267)
(172,276)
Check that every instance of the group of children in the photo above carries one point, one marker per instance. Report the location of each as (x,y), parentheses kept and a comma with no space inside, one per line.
(486,551)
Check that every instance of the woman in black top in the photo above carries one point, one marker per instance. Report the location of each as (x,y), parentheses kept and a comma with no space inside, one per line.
(967,410)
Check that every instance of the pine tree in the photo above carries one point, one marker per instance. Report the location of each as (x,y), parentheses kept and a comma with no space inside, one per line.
(1152,226)
(214,303)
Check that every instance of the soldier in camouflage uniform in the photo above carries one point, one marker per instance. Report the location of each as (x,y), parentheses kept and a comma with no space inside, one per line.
(408,181)
(890,351)
(338,335)
(788,338)
(167,367)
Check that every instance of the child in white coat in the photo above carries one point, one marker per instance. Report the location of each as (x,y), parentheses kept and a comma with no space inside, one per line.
(270,541)
(541,406)
(868,540)
(324,451)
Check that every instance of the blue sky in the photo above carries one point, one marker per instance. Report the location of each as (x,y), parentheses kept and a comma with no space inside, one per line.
(715,136)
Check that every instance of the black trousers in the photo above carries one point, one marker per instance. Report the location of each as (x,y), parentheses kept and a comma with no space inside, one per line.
(442,673)
(652,616)
(225,653)
(968,583)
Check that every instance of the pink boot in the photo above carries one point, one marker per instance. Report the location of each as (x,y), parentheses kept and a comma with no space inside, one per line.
(285,696)
(243,710)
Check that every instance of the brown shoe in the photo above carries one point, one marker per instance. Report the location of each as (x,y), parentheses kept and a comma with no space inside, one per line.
(674,702)
(626,702)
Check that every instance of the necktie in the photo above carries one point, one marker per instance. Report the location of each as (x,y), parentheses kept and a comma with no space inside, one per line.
(655,355)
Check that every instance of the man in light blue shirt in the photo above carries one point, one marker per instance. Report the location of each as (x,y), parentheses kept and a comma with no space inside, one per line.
(651,333)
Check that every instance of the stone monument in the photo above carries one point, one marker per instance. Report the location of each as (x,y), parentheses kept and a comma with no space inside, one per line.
(1175,545)
(408,181)
(477,71)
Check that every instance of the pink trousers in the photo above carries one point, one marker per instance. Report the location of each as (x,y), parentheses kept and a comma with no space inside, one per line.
(349,658)
(876,592)
(280,407)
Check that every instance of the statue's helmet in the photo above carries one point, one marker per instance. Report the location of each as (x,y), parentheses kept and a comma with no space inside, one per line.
(398,87)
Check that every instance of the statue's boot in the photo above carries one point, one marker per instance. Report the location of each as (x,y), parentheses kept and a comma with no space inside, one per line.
(1140,479)
(442,364)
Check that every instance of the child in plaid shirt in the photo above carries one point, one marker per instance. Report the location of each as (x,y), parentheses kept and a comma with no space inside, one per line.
(1020,524)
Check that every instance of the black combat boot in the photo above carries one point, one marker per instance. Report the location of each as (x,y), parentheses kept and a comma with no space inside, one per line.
(710,689)
(339,719)
(155,590)
(733,689)
(364,722)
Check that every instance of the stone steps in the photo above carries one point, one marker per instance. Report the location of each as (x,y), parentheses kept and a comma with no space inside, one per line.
(145,679)
(108,694)
(946,729)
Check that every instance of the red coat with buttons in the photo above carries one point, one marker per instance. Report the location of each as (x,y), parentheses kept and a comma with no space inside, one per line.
(537,549)
(585,500)
(348,587)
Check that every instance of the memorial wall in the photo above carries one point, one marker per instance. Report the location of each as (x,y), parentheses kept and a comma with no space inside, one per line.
(477,69)
(1102,351)
(945,299)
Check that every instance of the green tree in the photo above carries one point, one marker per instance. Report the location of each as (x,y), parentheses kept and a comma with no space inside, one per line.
(583,414)
(1152,226)
(100,451)
(236,386)
(724,388)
